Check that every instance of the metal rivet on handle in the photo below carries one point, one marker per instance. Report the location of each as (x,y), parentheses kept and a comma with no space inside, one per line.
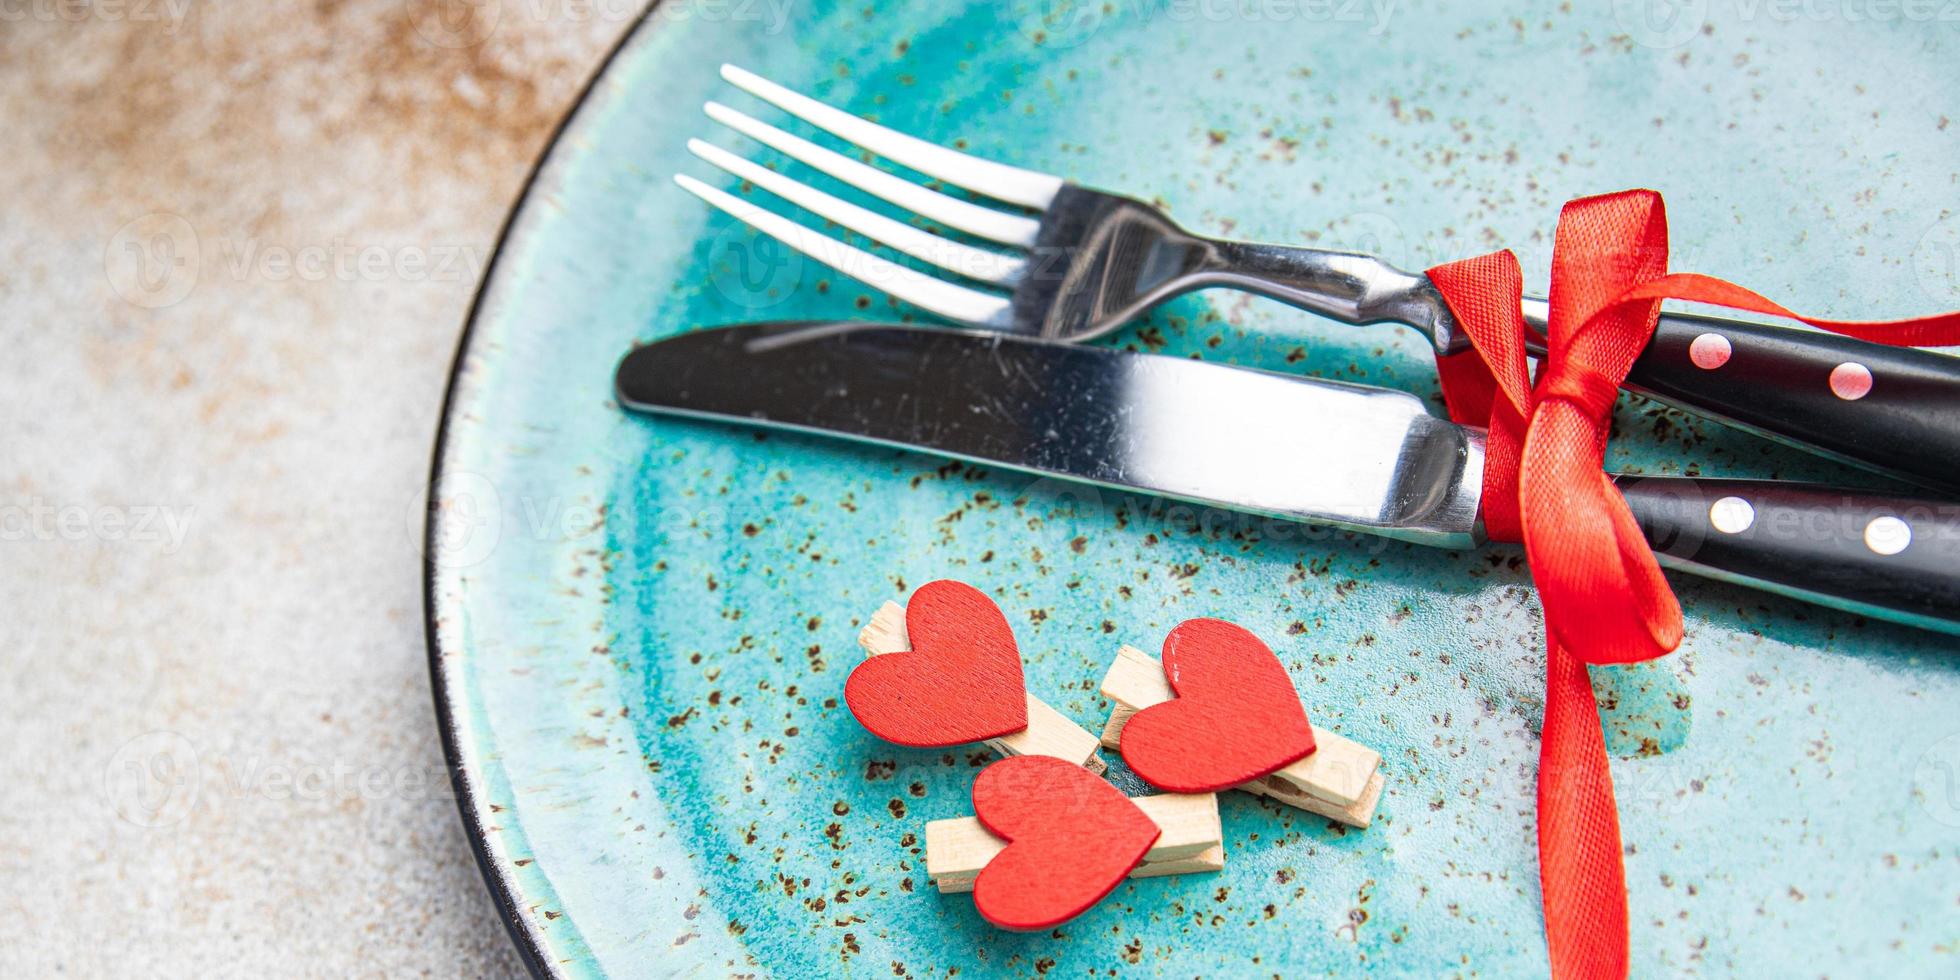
(1731,515)
(1887,535)
(1851,381)
(1710,351)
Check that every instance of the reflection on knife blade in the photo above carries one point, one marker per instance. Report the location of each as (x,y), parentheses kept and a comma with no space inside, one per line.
(1323,452)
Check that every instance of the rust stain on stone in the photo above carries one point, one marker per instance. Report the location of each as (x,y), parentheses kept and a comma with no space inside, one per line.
(201,105)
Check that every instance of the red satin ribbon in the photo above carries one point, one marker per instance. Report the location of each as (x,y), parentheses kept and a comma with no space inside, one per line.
(1604,597)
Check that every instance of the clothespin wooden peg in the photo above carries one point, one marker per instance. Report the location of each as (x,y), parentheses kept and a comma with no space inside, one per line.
(1337,779)
(1192,841)
(1048,731)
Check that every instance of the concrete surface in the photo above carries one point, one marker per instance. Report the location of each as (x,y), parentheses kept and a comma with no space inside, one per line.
(238,247)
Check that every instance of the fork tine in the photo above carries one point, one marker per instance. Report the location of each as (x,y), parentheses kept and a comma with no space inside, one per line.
(1007,229)
(1014,185)
(975,263)
(969,306)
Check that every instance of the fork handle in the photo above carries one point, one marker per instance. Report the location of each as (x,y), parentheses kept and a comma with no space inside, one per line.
(1894,409)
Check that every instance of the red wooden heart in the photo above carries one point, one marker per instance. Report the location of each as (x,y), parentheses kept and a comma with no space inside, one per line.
(1071,840)
(1236,716)
(960,682)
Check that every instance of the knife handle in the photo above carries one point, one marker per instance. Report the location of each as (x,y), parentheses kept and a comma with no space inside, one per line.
(1888,557)
(1895,409)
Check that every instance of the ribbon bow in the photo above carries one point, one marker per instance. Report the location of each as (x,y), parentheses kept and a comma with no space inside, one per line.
(1604,597)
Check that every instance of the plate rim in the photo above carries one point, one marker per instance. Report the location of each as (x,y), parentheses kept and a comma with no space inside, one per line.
(531,946)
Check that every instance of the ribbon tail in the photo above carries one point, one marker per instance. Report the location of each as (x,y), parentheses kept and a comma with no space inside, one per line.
(1579,831)
(1938,330)
(1469,389)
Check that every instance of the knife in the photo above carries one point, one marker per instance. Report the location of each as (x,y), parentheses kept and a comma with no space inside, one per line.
(1322,452)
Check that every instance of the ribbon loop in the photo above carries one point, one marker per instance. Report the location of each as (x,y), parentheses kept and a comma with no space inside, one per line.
(1605,599)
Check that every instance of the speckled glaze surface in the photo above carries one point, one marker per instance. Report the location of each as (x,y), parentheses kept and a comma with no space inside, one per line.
(640,628)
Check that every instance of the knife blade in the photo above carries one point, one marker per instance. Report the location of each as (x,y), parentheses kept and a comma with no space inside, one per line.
(1322,452)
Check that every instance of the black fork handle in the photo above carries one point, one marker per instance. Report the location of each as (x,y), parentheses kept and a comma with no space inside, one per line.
(1893,409)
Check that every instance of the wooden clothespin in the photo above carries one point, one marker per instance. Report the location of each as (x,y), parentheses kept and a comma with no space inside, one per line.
(1192,841)
(1338,780)
(1049,732)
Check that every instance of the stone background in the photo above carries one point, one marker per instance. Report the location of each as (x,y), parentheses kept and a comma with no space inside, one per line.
(239,246)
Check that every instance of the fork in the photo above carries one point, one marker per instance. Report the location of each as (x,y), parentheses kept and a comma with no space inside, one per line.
(1086,262)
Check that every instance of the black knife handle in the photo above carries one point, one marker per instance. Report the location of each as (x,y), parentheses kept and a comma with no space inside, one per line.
(1893,558)
(1895,409)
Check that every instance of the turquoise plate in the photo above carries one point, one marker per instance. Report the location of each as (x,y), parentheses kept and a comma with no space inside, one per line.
(640,628)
